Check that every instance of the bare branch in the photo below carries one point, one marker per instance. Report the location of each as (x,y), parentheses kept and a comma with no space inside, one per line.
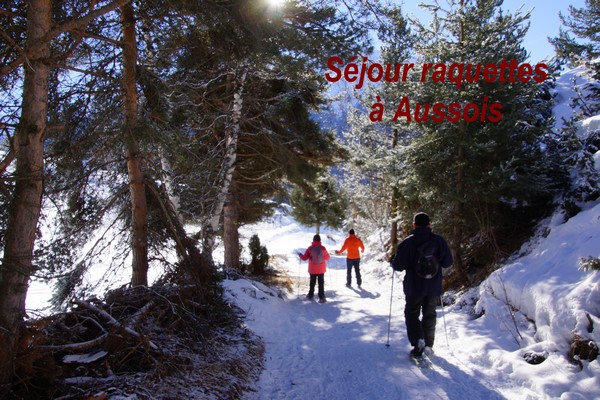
(8,159)
(76,346)
(112,321)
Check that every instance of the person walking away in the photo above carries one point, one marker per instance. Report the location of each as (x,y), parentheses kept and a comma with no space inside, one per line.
(354,246)
(422,255)
(317,257)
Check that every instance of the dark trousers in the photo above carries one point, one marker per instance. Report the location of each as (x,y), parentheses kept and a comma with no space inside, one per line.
(353,262)
(313,280)
(417,327)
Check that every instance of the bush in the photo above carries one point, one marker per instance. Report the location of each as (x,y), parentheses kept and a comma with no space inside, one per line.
(589,264)
(259,256)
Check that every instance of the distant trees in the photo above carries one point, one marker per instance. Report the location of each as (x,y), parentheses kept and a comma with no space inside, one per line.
(377,164)
(321,203)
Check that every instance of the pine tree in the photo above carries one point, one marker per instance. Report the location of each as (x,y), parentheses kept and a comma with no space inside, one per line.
(281,151)
(583,49)
(383,142)
(33,48)
(576,154)
(278,93)
(371,171)
(583,23)
(485,171)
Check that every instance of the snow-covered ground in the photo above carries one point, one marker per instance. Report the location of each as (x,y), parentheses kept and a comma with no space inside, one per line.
(341,349)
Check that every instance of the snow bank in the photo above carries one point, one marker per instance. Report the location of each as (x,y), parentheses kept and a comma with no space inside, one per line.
(548,287)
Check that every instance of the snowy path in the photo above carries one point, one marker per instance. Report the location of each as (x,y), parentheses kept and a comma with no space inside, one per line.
(337,350)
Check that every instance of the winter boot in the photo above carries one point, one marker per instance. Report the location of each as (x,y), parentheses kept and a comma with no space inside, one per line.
(417,351)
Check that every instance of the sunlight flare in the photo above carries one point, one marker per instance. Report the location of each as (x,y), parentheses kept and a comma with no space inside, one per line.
(275,3)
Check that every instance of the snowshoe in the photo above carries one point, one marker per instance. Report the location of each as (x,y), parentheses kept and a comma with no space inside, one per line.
(421,361)
(428,351)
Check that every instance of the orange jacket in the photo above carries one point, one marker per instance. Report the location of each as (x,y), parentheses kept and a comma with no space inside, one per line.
(352,244)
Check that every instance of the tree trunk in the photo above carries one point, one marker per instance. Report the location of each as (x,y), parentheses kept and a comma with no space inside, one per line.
(394,206)
(459,206)
(231,236)
(189,255)
(26,204)
(139,240)
(167,177)
(457,236)
(232,133)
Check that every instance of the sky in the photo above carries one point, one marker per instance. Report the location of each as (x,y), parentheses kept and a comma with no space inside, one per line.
(544,21)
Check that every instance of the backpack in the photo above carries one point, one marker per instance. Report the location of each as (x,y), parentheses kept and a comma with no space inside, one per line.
(316,254)
(427,265)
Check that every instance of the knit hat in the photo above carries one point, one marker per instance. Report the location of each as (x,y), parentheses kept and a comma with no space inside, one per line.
(351,232)
(316,238)
(421,219)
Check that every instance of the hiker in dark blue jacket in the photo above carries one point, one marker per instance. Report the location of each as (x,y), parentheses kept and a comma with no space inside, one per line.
(422,295)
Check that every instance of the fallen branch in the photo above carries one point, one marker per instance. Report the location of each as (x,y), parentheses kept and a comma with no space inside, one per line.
(76,346)
(112,321)
(135,319)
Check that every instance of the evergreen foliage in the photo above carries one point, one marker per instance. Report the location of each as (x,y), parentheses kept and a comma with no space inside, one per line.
(376,159)
(319,204)
(582,183)
(195,62)
(583,24)
(371,172)
(587,94)
(481,182)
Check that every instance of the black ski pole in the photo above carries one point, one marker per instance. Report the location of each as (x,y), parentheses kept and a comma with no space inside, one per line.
(299,271)
(390,316)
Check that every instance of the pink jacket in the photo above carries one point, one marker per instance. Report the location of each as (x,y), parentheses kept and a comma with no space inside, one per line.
(315,268)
